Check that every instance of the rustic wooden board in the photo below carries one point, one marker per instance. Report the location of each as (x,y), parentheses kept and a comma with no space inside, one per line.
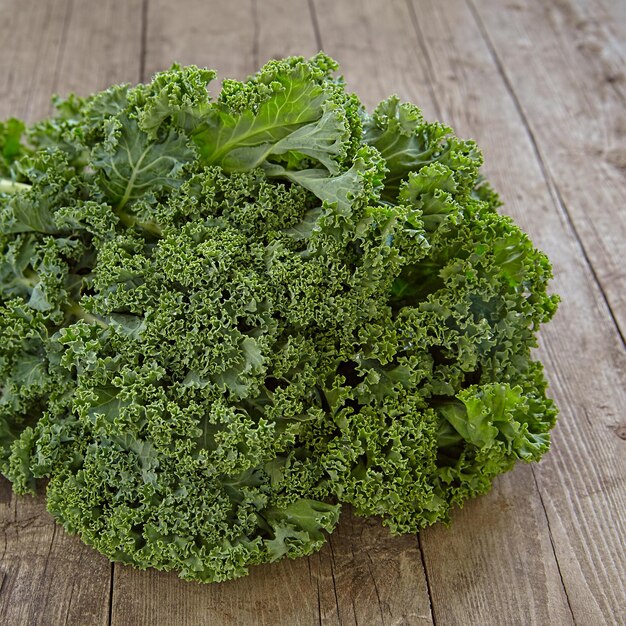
(366,576)
(48,576)
(381,55)
(362,576)
(231,37)
(546,546)
(28,71)
(220,35)
(610,15)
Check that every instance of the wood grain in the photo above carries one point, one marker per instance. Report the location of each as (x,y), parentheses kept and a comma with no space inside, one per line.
(611,14)
(32,35)
(234,38)
(495,564)
(48,576)
(101,46)
(364,575)
(381,55)
(283,29)
(218,34)
(280,593)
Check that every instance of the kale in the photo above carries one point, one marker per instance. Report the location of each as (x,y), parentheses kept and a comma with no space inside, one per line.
(222,319)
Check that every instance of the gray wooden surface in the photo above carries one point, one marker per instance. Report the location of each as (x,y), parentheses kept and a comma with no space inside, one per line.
(541,86)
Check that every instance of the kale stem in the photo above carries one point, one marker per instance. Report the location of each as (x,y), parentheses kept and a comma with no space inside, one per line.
(77,311)
(28,282)
(10,186)
(132,222)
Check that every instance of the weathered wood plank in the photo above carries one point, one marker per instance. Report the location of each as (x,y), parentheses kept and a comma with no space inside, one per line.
(569,86)
(609,16)
(283,29)
(32,42)
(279,593)
(231,37)
(581,482)
(219,35)
(534,576)
(380,56)
(101,47)
(496,562)
(48,576)
(367,576)
(362,576)
(62,46)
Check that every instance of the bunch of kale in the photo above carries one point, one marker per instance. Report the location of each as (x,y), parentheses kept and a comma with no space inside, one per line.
(221,319)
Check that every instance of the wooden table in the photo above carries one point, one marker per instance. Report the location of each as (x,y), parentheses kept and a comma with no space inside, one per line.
(541,86)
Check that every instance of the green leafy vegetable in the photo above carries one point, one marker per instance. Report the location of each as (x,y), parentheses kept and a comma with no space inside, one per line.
(222,319)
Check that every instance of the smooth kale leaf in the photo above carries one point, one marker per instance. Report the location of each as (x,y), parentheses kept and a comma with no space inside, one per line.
(132,166)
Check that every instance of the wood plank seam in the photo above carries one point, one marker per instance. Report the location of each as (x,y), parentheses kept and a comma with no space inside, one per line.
(551,536)
(557,197)
(332,573)
(144,40)
(67,18)
(316,25)
(428,583)
(319,599)
(111,588)
(369,569)
(428,66)
(255,34)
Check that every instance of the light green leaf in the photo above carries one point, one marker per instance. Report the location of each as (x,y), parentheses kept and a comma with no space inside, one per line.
(322,140)
(178,96)
(27,212)
(282,123)
(30,370)
(105,403)
(304,229)
(361,180)
(407,143)
(431,189)
(498,412)
(132,166)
